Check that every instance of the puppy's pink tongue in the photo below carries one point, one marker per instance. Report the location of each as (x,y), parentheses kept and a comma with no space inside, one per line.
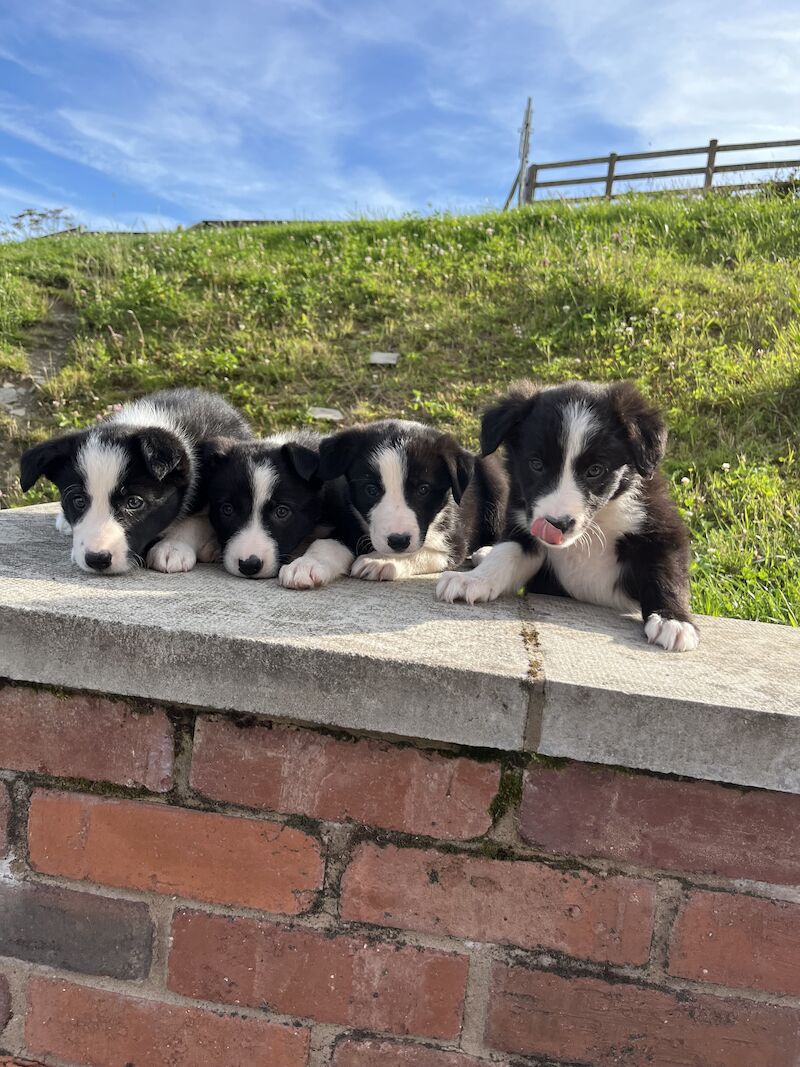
(546,531)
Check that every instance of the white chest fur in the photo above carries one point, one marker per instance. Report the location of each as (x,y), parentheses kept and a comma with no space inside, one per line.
(588,569)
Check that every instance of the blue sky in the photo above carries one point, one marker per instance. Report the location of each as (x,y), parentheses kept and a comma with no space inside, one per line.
(150,113)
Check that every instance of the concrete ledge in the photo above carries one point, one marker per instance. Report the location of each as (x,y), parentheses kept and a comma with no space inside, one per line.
(545,674)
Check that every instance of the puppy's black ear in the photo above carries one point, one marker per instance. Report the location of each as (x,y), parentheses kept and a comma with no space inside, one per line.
(337,452)
(643,425)
(43,461)
(213,451)
(460,466)
(304,461)
(499,421)
(162,452)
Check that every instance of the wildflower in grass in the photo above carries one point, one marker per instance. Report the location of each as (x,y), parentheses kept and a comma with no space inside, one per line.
(566,307)
(686,481)
(726,466)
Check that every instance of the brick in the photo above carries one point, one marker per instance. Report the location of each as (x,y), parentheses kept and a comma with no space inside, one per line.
(84,736)
(698,827)
(331,979)
(374,1053)
(5,817)
(514,903)
(738,941)
(160,849)
(302,772)
(590,1022)
(5,1001)
(100,1029)
(76,931)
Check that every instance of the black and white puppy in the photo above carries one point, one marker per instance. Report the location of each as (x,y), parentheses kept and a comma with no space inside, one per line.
(130,485)
(589,515)
(266,503)
(413,500)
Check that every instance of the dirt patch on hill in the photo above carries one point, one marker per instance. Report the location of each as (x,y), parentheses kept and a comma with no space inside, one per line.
(21,402)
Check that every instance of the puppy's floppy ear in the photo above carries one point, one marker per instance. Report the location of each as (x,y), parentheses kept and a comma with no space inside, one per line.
(213,451)
(162,452)
(43,461)
(337,452)
(499,421)
(460,466)
(643,425)
(304,461)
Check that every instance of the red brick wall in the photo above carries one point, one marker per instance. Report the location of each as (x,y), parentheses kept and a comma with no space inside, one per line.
(182,890)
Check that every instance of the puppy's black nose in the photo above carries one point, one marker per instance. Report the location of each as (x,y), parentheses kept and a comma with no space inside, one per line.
(250,566)
(98,561)
(564,523)
(398,542)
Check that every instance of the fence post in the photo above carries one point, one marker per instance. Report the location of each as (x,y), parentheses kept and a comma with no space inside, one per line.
(612,164)
(712,158)
(529,191)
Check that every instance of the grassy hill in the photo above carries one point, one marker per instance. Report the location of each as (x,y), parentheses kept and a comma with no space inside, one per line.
(698,301)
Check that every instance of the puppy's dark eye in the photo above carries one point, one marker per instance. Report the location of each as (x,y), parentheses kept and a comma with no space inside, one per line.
(423,489)
(282,511)
(79,502)
(595,470)
(226,510)
(371,489)
(535,464)
(134,503)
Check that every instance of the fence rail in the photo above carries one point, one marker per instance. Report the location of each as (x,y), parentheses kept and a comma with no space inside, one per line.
(610,176)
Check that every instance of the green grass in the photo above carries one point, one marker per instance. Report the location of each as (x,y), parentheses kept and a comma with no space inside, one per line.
(698,301)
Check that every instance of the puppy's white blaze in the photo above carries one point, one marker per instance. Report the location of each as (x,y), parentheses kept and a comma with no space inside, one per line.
(392,515)
(253,539)
(103,467)
(567,499)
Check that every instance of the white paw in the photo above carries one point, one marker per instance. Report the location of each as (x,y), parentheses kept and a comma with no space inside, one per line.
(463,585)
(62,525)
(210,551)
(304,573)
(171,557)
(479,555)
(375,569)
(671,634)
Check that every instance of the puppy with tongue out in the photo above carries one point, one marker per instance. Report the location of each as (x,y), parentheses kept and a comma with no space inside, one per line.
(589,515)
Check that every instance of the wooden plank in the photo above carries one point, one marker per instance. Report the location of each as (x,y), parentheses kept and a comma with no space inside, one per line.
(767,164)
(698,151)
(756,144)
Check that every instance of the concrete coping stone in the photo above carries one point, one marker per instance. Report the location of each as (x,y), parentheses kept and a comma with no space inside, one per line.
(535,674)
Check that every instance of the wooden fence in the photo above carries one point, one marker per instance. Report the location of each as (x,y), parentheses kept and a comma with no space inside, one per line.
(708,170)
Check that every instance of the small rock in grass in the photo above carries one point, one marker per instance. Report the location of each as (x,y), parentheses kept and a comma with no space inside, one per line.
(384,359)
(328,414)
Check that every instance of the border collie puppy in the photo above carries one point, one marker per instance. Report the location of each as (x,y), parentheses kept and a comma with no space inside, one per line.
(588,515)
(413,501)
(266,502)
(130,485)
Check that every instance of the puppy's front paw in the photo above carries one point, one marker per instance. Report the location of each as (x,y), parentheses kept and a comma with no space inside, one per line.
(375,569)
(210,551)
(171,557)
(62,525)
(466,586)
(671,634)
(304,573)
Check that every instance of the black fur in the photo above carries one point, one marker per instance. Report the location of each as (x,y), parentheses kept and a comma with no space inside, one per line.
(444,483)
(297,509)
(628,436)
(162,469)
